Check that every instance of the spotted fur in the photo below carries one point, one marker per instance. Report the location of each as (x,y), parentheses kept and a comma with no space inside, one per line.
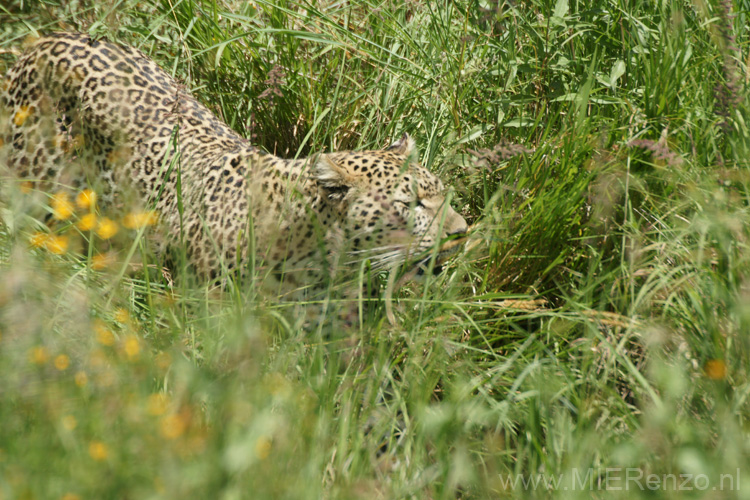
(114,110)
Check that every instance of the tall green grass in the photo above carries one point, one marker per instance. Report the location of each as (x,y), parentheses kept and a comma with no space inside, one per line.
(594,329)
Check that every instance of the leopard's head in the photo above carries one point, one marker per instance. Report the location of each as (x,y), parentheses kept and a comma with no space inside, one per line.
(392,209)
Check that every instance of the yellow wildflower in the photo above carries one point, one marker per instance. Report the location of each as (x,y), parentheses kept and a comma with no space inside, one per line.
(62,208)
(62,362)
(86,199)
(39,355)
(106,228)
(87,222)
(157,404)
(103,335)
(22,114)
(98,451)
(70,496)
(57,244)
(38,239)
(122,315)
(102,261)
(132,347)
(81,379)
(175,425)
(137,220)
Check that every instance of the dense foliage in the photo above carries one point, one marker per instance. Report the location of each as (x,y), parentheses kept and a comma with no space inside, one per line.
(594,329)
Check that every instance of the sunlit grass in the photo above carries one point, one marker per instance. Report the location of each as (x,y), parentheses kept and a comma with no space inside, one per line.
(598,320)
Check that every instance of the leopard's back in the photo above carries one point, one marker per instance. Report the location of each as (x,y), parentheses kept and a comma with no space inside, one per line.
(111,110)
(74,101)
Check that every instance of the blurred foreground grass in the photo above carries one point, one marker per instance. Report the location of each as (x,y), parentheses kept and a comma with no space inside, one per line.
(597,329)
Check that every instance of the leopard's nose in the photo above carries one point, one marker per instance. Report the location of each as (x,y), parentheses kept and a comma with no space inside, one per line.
(460,228)
(460,232)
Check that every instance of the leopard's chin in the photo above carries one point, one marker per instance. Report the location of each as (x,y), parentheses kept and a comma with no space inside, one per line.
(446,252)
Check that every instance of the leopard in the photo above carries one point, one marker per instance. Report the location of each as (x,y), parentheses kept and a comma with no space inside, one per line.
(73,99)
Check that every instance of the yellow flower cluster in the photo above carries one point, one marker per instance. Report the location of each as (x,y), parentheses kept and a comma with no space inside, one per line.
(39,355)
(63,208)
(172,424)
(56,244)
(137,220)
(130,345)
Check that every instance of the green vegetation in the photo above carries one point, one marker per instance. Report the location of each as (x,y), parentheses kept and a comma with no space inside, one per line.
(598,319)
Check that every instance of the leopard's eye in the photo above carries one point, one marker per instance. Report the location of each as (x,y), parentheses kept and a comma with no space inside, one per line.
(409,204)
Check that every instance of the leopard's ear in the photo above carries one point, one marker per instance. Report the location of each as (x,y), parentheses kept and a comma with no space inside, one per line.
(405,146)
(332,177)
